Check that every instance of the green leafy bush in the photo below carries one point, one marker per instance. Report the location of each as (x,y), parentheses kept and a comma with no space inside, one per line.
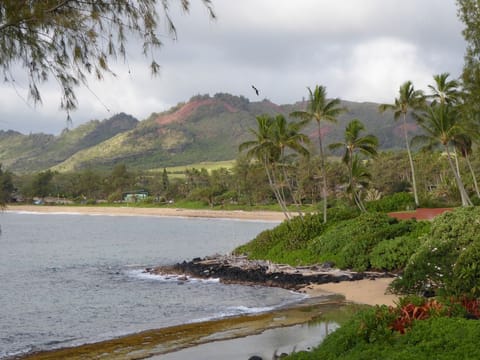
(369,335)
(396,202)
(289,241)
(393,254)
(448,258)
(349,243)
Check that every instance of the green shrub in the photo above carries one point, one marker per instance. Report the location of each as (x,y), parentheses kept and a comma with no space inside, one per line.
(368,335)
(396,202)
(349,243)
(393,254)
(448,258)
(289,241)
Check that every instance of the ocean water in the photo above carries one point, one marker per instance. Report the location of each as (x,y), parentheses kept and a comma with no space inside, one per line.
(68,279)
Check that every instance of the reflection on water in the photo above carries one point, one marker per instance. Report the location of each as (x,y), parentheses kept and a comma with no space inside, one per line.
(284,330)
(274,341)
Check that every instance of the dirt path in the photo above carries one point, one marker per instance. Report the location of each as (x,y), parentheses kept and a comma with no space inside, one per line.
(419,214)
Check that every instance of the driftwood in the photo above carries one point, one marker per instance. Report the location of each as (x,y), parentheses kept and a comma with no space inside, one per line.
(240,270)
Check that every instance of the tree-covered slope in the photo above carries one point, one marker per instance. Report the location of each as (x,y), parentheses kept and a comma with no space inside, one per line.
(35,152)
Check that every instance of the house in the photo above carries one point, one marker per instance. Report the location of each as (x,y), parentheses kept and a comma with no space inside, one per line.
(134,196)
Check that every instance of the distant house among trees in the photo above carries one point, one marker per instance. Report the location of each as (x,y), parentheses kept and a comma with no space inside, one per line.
(134,196)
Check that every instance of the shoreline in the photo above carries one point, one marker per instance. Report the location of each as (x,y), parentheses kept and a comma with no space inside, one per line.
(369,288)
(156,343)
(342,287)
(160,212)
(358,291)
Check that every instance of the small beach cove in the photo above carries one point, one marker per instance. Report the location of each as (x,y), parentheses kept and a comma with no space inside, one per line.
(313,290)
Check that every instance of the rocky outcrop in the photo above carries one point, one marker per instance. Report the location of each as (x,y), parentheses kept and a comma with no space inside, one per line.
(240,270)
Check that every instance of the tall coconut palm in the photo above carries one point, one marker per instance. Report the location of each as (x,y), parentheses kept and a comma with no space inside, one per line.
(441,126)
(408,100)
(263,149)
(463,145)
(320,109)
(290,141)
(355,144)
(444,91)
(273,137)
(359,177)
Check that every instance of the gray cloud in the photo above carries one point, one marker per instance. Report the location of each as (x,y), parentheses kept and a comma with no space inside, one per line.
(360,50)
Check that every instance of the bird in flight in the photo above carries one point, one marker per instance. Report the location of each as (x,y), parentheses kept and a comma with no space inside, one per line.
(256,90)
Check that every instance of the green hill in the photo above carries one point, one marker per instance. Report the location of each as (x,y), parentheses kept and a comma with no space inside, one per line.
(203,129)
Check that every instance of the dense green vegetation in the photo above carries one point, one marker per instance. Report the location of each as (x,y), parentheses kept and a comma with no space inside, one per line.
(449,257)
(441,258)
(367,241)
(371,334)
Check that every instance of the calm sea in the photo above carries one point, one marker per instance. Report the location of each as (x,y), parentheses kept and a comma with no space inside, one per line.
(71,279)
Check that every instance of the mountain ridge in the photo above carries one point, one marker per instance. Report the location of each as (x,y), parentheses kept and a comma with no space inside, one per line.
(205,128)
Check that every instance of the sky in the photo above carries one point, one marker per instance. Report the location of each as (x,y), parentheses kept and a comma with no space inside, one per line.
(360,50)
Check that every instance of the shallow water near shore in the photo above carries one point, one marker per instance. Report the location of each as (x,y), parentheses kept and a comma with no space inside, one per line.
(295,328)
(68,280)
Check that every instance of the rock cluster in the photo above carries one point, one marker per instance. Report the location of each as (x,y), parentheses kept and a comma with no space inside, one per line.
(240,270)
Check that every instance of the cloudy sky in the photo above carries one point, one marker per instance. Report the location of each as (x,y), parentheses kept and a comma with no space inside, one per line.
(361,50)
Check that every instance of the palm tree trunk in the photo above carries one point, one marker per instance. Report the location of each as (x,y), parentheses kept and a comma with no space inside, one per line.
(351,185)
(359,202)
(474,178)
(294,197)
(457,164)
(323,173)
(461,188)
(271,181)
(410,159)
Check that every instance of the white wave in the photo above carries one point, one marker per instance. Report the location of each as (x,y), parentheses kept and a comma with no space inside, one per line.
(145,275)
(250,310)
(236,311)
(24,212)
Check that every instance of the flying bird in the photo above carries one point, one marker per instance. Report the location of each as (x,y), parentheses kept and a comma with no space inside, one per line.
(256,90)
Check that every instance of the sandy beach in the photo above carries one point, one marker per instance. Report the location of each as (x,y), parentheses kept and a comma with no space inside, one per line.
(371,292)
(136,211)
(367,291)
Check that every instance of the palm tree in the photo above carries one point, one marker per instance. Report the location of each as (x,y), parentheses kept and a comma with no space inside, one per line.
(287,136)
(359,177)
(355,144)
(463,145)
(444,91)
(273,137)
(408,99)
(262,148)
(320,109)
(440,124)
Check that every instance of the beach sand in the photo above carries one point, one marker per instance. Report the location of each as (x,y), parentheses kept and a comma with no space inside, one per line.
(137,211)
(370,292)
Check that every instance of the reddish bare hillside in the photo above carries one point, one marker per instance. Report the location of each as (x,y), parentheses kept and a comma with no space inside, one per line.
(411,128)
(189,108)
(419,214)
(324,131)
